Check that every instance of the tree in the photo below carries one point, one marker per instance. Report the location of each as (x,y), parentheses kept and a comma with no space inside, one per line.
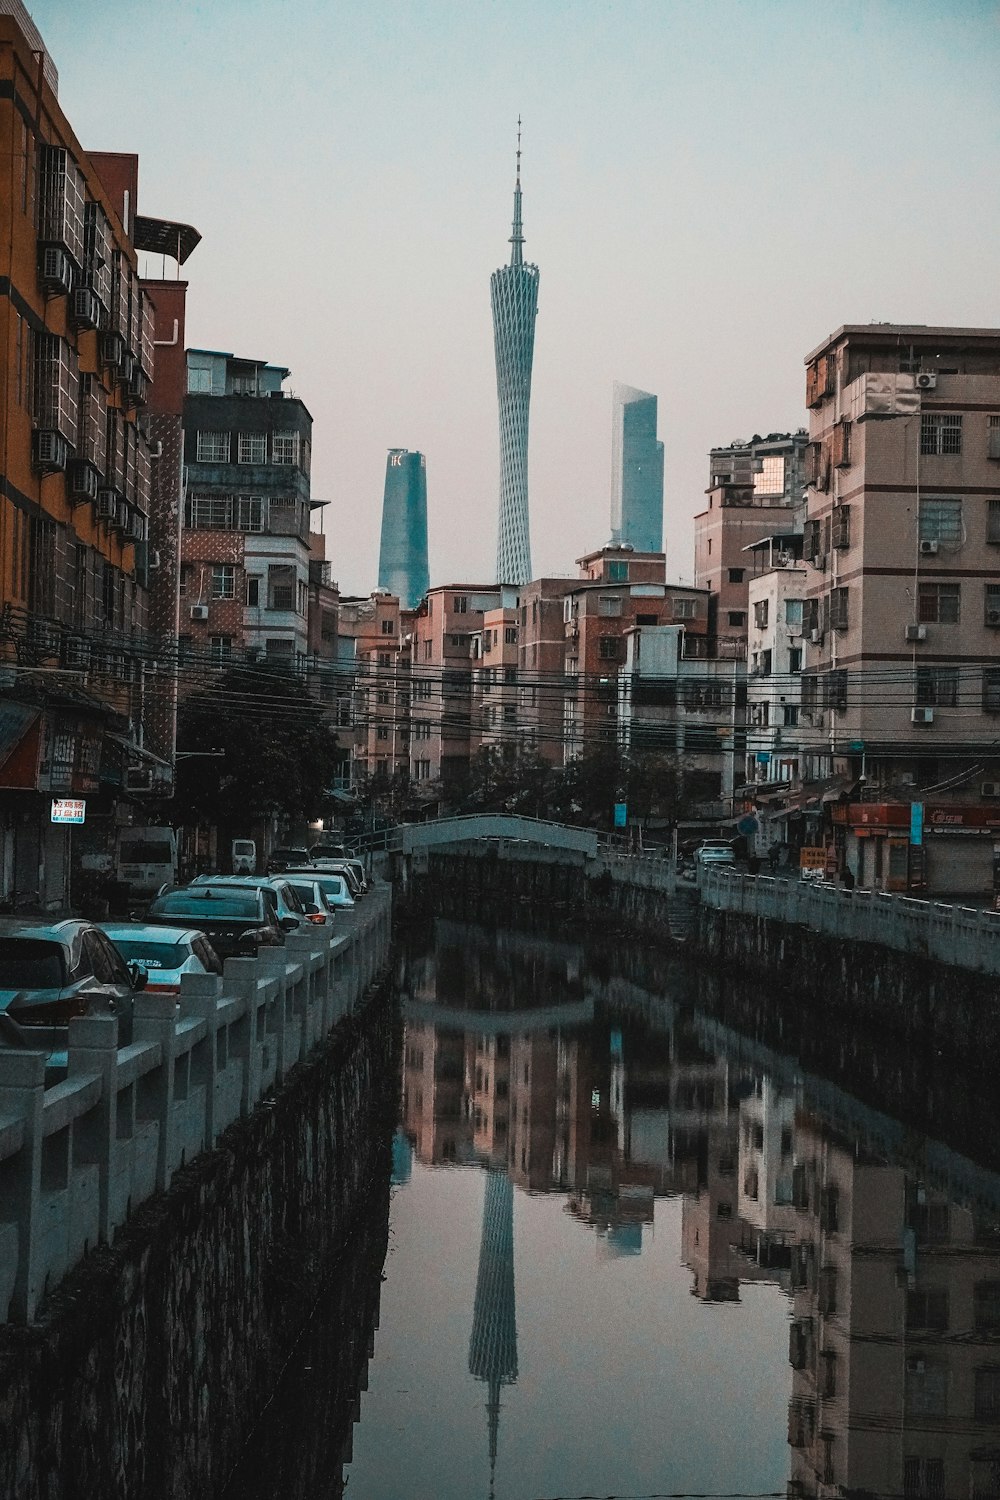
(508,778)
(279,753)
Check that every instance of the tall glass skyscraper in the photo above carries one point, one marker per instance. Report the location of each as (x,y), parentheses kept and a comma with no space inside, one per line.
(402,559)
(514,294)
(636,471)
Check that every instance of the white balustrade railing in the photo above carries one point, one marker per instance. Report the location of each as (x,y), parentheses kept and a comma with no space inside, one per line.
(963,936)
(77,1158)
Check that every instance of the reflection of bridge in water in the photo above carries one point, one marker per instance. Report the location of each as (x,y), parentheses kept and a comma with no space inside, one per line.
(499,1022)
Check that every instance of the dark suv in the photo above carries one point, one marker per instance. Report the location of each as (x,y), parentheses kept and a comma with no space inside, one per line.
(53,971)
(237,920)
(286,857)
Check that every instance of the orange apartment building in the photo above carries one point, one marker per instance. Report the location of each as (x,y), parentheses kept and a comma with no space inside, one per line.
(373,685)
(495,691)
(901,678)
(76,475)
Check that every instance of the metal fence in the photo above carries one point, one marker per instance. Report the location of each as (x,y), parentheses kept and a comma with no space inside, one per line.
(960,935)
(77,1158)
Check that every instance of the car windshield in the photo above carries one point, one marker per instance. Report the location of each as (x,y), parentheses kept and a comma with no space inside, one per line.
(30,963)
(290,854)
(305,892)
(144,852)
(206,902)
(153,955)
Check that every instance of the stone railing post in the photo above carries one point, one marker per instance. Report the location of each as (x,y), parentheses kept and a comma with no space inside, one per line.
(93,1048)
(155,1020)
(22,1087)
(199,1000)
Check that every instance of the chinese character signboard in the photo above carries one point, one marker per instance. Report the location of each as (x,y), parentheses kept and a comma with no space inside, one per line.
(68,810)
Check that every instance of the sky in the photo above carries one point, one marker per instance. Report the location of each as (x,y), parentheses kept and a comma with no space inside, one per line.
(710,188)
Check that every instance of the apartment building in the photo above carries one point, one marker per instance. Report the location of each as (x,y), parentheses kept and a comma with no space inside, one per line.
(775,657)
(617,590)
(244,577)
(76,466)
(372,686)
(495,691)
(901,679)
(748,483)
(688,707)
(541,662)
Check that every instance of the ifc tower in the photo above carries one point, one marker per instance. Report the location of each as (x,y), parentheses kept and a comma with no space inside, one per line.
(514,294)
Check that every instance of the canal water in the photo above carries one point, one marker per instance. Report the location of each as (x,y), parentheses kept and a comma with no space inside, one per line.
(632,1252)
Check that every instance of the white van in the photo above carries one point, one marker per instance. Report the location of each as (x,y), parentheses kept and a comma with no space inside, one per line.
(146,859)
(244,857)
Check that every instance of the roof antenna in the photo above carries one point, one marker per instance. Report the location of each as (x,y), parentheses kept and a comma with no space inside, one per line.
(517,237)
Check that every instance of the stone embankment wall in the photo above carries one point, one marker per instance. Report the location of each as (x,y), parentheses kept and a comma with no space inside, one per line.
(903,995)
(152,1360)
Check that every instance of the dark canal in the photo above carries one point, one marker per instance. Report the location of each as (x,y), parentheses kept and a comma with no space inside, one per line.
(633,1251)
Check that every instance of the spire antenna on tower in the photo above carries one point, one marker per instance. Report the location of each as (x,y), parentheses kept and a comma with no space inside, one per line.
(517,237)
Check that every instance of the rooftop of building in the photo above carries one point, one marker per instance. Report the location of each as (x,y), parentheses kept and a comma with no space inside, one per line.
(916,333)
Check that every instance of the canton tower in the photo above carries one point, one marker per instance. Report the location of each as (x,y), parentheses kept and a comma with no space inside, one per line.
(514,294)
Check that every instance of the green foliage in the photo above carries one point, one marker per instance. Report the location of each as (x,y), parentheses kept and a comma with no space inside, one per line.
(279,751)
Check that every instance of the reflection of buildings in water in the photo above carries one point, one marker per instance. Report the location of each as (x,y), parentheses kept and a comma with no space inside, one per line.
(487,1095)
(434,1115)
(895,1343)
(764,1170)
(493,1343)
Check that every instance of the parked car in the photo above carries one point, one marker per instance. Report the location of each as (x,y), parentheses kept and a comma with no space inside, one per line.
(237,920)
(349,868)
(166,953)
(333,886)
(317,908)
(284,857)
(243,854)
(715,852)
(53,971)
(287,902)
(328,851)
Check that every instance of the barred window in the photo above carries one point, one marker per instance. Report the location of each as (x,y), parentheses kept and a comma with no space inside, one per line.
(993,522)
(938,603)
(941,521)
(941,432)
(248,513)
(991,690)
(608,648)
(252,447)
(223,581)
(936,687)
(839,604)
(213,447)
(285,448)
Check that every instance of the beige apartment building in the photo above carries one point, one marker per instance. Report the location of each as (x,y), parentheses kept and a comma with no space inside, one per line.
(494,656)
(901,680)
(373,684)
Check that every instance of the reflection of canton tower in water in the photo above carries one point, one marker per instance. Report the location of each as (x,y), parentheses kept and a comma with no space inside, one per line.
(493,1345)
(514,294)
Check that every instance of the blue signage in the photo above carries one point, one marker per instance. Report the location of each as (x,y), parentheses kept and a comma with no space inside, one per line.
(916,822)
(621,814)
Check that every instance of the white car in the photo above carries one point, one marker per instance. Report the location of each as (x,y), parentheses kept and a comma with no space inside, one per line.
(715,852)
(318,909)
(353,869)
(334,887)
(166,953)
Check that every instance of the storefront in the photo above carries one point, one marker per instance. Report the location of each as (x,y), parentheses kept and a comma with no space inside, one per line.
(947,851)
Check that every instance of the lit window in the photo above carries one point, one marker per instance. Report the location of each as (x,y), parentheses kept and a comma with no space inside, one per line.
(213,447)
(252,448)
(941,433)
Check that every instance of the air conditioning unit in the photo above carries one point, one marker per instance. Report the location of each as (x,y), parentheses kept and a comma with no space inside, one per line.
(135,525)
(82,482)
(928,549)
(992,618)
(86,308)
(990,789)
(916,632)
(50,452)
(199,611)
(138,778)
(926,380)
(922,716)
(137,387)
(57,271)
(107,505)
(112,346)
(816,635)
(120,518)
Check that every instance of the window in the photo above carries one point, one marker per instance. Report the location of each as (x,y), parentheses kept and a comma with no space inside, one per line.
(927,1309)
(388,627)
(281,586)
(213,447)
(510,674)
(382,732)
(458,640)
(987,1397)
(199,381)
(609,604)
(382,696)
(253,591)
(993,522)
(618,572)
(941,521)
(836,689)
(221,648)
(510,635)
(769,478)
(993,437)
(991,604)
(646,619)
(793,612)
(509,714)
(184,581)
(608,648)
(285,448)
(923,1478)
(991,690)
(941,433)
(460,605)
(736,575)
(277,648)
(421,729)
(385,658)
(251,448)
(764,663)
(421,770)
(795,659)
(839,609)
(937,687)
(248,513)
(842,445)
(790,715)
(760,614)
(223,581)
(225,513)
(840,528)
(986,1306)
(938,603)
(685,609)
(736,617)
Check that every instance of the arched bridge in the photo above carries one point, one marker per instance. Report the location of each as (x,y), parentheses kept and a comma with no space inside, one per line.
(407,838)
